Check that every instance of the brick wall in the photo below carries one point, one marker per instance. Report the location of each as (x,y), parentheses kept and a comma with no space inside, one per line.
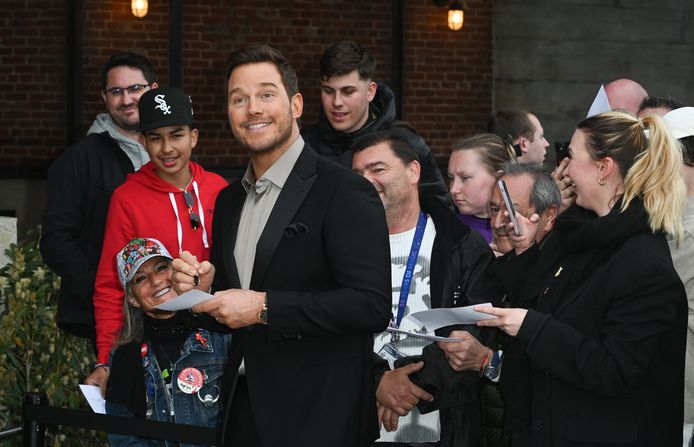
(32,79)
(447,75)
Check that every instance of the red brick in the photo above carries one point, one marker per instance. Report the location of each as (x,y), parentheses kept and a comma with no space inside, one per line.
(447,75)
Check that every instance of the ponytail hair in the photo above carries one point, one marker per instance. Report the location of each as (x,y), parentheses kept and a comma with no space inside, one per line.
(649,160)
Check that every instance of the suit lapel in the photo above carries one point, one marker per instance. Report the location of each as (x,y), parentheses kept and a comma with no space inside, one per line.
(238,197)
(291,197)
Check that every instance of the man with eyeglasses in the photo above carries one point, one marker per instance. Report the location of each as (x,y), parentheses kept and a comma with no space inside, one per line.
(80,183)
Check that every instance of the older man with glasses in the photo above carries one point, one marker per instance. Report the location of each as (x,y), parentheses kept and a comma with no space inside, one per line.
(80,183)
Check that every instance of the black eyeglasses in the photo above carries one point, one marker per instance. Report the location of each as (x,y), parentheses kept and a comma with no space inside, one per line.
(116,92)
(190,203)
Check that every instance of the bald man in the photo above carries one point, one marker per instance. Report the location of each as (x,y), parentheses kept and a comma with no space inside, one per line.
(625,95)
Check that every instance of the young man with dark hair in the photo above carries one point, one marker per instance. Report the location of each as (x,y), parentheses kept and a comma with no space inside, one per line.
(523,131)
(301,259)
(79,187)
(353,104)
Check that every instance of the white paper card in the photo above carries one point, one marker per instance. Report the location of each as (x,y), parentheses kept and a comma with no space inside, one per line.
(438,318)
(93,395)
(430,337)
(601,103)
(185,301)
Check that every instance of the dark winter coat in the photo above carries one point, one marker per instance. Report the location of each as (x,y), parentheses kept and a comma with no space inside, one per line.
(336,146)
(80,184)
(599,358)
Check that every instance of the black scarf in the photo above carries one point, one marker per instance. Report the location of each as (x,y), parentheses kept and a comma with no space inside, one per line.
(581,230)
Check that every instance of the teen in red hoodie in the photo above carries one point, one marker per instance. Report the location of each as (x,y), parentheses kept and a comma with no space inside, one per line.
(170,198)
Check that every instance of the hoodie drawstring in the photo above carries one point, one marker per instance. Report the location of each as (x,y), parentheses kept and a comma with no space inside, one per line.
(201,213)
(179,228)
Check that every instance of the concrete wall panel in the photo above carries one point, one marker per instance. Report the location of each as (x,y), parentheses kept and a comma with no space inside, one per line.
(552,56)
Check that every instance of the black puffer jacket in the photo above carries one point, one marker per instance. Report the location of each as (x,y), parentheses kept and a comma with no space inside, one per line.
(336,146)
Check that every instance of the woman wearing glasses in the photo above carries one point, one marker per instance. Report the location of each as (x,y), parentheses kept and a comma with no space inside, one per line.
(170,198)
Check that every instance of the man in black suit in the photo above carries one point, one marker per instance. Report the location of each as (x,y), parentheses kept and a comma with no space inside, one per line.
(300,246)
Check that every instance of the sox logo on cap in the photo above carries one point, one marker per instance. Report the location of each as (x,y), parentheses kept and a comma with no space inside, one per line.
(163,106)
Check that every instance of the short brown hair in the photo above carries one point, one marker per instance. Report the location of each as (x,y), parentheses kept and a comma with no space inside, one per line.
(132,60)
(264,53)
(345,57)
(511,123)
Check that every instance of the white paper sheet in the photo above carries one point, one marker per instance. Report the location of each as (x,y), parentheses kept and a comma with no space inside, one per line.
(438,318)
(601,103)
(430,337)
(93,395)
(185,301)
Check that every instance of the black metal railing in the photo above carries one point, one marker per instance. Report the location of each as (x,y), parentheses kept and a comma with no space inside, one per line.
(37,414)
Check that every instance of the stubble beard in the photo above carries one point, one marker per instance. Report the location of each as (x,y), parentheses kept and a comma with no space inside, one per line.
(127,126)
(284,133)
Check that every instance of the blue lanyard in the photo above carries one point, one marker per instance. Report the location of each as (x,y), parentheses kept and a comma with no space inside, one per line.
(411,262)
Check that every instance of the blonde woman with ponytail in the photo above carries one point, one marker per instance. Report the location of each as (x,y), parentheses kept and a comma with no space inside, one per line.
(597,315)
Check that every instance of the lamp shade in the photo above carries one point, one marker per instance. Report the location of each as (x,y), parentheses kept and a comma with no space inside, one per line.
(139,8)
(456,16)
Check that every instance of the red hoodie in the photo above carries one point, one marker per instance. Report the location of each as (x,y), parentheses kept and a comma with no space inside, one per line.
(142,207)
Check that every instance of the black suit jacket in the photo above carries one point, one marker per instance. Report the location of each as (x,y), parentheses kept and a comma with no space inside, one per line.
(323,259)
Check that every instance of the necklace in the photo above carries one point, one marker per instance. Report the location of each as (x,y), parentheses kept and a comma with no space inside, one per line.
(189,182)
(165,372)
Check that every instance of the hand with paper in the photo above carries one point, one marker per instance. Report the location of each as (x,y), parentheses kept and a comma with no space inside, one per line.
(94,397)
(235,308)
(465,355)
(437,318)
(462,350)
(508,320)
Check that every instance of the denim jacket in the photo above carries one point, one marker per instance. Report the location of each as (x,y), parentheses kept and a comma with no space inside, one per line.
(204,350)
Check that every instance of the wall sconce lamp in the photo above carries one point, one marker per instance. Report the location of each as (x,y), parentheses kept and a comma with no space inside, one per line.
(456,12)
(139,8)
(456,16)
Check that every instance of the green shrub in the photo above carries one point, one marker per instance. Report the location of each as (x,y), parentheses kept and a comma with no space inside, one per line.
(34,354)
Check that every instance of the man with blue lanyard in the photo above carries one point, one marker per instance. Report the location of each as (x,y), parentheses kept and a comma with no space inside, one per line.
(436,261)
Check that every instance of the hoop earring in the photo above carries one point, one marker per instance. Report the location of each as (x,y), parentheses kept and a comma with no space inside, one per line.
(601,182)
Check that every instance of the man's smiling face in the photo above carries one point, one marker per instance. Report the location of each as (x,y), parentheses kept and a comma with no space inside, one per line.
(261,114)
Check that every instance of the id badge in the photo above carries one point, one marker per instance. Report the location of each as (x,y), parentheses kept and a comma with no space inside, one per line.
(390,353)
